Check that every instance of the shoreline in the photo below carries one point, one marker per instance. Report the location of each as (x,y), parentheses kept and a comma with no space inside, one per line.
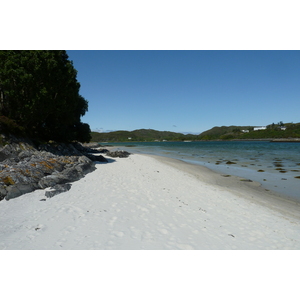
(145,203)
(252,190)
(281,140)
(281,183)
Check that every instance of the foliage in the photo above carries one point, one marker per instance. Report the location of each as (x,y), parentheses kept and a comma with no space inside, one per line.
(217,132)
(148,135)
(40,92)
(235,132)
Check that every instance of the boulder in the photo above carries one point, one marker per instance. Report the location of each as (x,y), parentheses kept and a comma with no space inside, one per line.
(103,150)
(120,153)
(98,158)
(85,168)
(17,190)
(52,180)
(58,189)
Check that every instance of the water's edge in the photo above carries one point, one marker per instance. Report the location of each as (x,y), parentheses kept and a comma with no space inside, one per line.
(276,168)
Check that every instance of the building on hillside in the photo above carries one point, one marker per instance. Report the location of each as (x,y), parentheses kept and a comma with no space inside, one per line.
(245,130)
(260,128)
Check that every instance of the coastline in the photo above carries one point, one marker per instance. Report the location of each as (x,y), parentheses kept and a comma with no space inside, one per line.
(150,203)
(251,190)
(274,172)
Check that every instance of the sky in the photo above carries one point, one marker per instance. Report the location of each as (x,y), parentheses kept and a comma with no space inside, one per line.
(189,90)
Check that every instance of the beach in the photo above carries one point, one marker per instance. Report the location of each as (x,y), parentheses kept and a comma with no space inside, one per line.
(152,203)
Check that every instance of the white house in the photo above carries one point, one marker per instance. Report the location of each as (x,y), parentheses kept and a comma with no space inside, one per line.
(260,128)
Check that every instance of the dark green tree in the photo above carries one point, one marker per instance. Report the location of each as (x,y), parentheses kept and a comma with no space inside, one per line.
(40,92)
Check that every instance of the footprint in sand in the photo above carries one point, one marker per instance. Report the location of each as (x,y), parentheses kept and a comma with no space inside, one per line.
(147,236)
(112,221)
(135,233)
(163,231)
(118,233)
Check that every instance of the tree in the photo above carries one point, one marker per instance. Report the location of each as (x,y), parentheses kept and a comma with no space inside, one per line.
(40,92)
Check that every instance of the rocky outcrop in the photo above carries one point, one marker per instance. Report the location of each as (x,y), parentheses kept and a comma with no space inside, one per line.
(25,167)
(118,153)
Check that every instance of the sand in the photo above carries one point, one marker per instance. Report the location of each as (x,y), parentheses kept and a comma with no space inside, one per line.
(143,202)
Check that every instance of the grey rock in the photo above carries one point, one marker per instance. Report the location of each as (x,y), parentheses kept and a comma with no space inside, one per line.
(24,167)
(91,145)
(52,180)
(58,189)
(85,168)
(98,158)
(3,191)
(103,151)
(17,190)
(7,152)
(120,153)
(72,174)
(25,154)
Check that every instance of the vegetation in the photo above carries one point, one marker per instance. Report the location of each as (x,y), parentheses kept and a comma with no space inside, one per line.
(148,135)
(39,96)
(224,132)
(272,131)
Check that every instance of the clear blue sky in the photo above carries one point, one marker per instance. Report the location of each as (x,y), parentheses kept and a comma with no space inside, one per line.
(188,91)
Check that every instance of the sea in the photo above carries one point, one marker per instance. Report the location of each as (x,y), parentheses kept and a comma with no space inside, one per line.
(275,165)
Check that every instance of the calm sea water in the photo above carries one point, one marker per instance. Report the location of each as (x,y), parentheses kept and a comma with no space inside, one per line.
(274,165)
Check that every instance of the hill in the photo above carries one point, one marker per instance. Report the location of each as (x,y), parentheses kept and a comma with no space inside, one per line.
(223,132)
(147,135)
(273,131)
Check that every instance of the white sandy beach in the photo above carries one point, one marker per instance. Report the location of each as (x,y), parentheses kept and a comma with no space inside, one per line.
(142,202)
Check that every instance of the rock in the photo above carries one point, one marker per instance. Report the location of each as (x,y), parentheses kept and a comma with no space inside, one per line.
(8,152)
(120,153)
(72,174)
(85,168)
(98,158)
(3,191)
(103,150)
(25,167)
(25,154)
(51,180)
(17,190)
(91,145)
(58,189)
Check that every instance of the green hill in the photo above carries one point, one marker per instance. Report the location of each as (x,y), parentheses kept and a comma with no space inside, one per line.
(223,132)
(148,135)
(273,131)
